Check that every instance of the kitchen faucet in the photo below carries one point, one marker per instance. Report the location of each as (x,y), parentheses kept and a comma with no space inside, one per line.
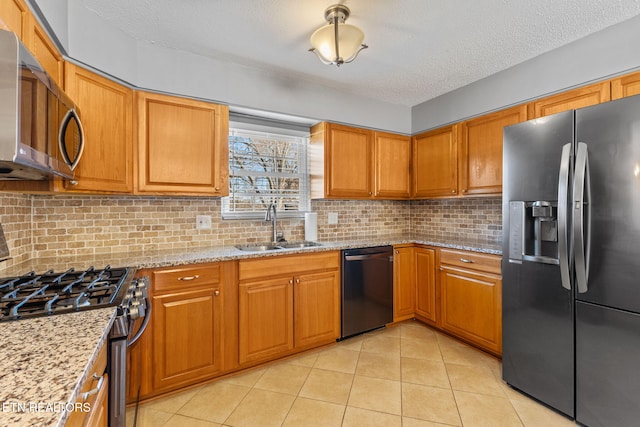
(271,216)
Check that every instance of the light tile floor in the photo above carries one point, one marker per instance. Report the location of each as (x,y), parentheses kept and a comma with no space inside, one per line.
(406,375)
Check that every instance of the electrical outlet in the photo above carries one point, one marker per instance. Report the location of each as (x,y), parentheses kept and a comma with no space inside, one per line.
(332,218)
(203,222)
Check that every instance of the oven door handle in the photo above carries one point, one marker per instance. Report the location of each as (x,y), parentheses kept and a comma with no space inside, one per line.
(145,322)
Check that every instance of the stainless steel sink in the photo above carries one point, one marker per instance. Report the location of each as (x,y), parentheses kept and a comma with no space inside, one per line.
(298,245)
(262,247)
(258,248)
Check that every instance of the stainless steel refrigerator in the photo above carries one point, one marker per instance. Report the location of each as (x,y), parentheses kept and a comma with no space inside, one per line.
(571,261)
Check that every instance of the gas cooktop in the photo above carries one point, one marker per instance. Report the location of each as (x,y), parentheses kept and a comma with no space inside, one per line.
(33,295)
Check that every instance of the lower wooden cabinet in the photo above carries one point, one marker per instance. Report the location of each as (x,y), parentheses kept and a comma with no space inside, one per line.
(287,304)
(94,396)
(471,298)
(426,285)
(404,283)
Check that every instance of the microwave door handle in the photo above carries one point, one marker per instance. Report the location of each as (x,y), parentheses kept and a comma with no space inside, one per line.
(582,215)
(71,114)
(563,200)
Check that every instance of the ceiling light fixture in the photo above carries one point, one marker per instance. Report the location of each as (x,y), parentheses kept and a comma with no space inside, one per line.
(337,43)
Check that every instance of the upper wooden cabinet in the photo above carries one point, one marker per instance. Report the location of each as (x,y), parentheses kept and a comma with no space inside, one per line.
(571,100)
(106,109)
(392,163)
(15,15)
(480,165)
(624,86)
(45,51)
(182,146)
(435,163)
(354,163)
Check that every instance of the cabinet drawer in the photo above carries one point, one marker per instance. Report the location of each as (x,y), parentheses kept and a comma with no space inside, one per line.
(287,265)
(471,260)
(174,279)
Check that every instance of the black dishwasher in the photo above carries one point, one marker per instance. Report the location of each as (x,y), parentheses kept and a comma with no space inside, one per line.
(367,289)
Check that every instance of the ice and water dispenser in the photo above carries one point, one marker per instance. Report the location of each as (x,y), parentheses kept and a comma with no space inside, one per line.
(533,231)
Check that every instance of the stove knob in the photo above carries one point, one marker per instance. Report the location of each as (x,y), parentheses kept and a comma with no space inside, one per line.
(142,282)
(138,293)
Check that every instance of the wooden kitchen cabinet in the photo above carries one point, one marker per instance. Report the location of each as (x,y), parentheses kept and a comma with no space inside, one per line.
(392,165)
(404,282)
(426,306)
(106,110)
(287,304)
(578,98)
(97,388)
(352,163)
(624,86)
(15,15)
(435,163)
(45,51)
(471,298)
(182,146)
(480,160)
(192,334)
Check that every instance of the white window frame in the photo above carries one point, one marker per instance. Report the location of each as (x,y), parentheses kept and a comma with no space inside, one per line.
(302,174)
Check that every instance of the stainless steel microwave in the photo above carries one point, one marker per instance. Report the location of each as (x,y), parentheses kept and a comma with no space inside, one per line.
(40,128)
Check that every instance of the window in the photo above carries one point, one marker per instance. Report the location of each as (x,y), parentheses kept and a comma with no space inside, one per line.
(266,168)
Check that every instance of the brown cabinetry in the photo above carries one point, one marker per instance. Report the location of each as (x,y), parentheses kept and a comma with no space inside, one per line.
(15,15)
(191,335)
(354,163)
(182,146)
(93,396)
(107,115)
(480,165)
(404,282)
(435,163)
(287,304)
(45,51)
(471,298)
(570,100)
(426,307)
(624,86)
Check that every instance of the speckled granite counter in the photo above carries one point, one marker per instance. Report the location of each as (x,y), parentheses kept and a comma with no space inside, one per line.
(169,258)
(43,363)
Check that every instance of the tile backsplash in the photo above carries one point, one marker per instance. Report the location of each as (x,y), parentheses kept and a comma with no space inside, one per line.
(44,225)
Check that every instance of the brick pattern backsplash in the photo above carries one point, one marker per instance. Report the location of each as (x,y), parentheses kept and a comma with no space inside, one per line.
(15,217)
(469,218)
(44,225)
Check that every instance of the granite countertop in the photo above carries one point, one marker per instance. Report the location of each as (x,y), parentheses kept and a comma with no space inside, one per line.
(44,362)
(176,257)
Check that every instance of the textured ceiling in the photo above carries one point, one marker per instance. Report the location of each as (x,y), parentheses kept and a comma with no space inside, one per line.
(418,49)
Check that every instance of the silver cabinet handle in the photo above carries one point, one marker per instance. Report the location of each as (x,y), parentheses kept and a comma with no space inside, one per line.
(563,200)
(468,261)
(582,209)
(95,390)
(187,278)
(216,293)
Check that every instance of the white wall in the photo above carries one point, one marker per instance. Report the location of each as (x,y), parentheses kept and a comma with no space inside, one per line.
(606,53)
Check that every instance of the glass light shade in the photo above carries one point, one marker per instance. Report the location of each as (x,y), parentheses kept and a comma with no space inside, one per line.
(350,40)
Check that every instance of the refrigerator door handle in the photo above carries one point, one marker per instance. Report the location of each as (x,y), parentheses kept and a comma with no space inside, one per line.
(563,200)
(582,214)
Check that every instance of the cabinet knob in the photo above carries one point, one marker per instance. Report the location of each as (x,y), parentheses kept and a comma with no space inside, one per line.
(397,251)
(188,278)
(73,182)
(370,193)
(298,281)
(291,281)
(468,261)
(216,293)
(441,269)
(464,191)
(453,191)
(217,188)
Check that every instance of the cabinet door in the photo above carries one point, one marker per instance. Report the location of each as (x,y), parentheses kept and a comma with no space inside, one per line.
(187,329)
(99,413)
(265,319)
(571,100)
(425,260)
(316,308)
(45,51)
(624,86)
(472,307)
(435,163)
(182,146)
(480,168)
(392,157)
(15,14)
(348,162)
(404,283)
(106,109)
